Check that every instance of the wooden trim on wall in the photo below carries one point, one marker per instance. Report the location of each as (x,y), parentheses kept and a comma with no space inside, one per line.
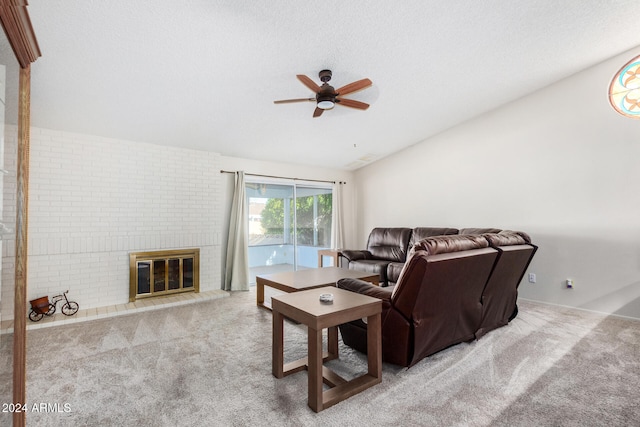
(17,26)
(22,209)
(19,31)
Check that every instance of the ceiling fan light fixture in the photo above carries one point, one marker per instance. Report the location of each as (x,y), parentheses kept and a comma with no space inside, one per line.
(326,104)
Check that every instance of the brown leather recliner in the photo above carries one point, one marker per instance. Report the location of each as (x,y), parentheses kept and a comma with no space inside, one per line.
(501,292)
(385,245)
(436,302)
(387,250)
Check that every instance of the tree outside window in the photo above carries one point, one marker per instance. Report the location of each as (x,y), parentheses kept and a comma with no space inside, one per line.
(313,215)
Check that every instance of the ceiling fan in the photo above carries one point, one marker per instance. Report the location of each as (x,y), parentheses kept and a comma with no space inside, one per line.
(326,96)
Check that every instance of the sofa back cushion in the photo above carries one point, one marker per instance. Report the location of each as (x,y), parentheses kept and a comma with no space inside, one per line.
(522,234)
(479,230)
(421,233)
(505,238)
(447,244)
(389,243)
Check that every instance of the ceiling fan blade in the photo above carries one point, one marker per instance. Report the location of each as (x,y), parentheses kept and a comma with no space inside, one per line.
(308,83)
(354,87)
(352,103)
(287,101)
(318,112)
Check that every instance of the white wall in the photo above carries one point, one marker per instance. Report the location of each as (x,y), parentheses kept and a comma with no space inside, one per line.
(559,164)
(94,200)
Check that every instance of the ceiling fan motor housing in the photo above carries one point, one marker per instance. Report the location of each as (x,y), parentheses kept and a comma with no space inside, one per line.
(325,75)
(326,101)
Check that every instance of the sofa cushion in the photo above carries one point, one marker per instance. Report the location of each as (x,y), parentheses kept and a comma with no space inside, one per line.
(479,230)
(393,271)
(504,239)
(421,233)
(446,244)
(389,244)
(354,255)
(522,234)
(366,288)
(371,266)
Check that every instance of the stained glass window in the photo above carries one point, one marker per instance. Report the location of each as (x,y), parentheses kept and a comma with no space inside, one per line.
(624,90)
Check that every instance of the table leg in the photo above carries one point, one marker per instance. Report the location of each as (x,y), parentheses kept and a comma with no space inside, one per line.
(260,293)
(277,346)
(332,343)
(374,345)
(315,369)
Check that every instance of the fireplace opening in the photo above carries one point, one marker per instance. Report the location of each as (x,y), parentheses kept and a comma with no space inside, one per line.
(159,273)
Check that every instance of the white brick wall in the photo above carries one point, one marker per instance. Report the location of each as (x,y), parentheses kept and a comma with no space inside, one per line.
(94,200)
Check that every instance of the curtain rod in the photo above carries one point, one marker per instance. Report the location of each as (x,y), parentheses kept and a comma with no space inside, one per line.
(285,177)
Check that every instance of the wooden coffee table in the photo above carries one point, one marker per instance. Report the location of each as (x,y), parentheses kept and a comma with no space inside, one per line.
(301,280)
(305,307)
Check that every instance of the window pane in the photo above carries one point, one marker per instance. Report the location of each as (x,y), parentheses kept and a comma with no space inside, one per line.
(313,215)
(270,215)
(285,232)
(174,274)
(313,229)
(144,277)
(271,229)
(158,276)
(187,273)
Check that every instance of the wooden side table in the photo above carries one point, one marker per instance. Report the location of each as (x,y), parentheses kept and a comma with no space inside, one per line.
(302,280)
(305,307)
(333,253)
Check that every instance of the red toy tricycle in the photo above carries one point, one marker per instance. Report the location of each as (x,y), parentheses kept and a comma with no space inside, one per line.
(42,307)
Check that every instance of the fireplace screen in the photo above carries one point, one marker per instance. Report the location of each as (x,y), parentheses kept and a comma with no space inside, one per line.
(163,273)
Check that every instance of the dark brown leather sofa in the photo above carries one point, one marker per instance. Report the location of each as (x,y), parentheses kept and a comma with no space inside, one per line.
(436,302)
(452,289)
(387,249)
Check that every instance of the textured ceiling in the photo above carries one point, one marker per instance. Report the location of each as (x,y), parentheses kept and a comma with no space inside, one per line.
(204,74)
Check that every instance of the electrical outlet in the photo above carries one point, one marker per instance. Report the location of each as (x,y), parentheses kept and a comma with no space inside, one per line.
(569,283)
(532,277)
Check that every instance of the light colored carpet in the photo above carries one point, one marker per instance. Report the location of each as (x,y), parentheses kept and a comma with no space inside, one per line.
(209,363)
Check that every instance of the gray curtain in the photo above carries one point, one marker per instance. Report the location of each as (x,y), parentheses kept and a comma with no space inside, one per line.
(236,274)
(337,227)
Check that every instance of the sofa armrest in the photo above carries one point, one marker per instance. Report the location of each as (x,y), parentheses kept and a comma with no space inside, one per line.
(352,255)
(366,288)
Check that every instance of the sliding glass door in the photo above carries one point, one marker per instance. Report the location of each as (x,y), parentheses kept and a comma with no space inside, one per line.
(313,224)
(288,223)
(271,244)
